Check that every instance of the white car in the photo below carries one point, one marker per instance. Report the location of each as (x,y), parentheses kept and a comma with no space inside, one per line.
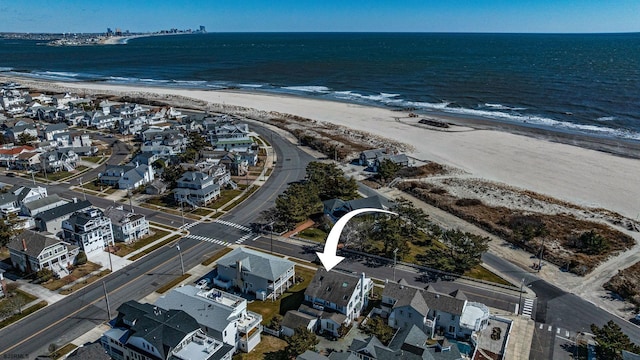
(202,284)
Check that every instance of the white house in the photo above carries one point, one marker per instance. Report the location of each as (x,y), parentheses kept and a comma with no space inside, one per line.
(196,189)
(32,251)
(221,315)
(127,226)
(89,229)
(129,176)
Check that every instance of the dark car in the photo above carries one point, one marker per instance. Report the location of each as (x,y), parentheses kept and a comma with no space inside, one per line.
(10,174)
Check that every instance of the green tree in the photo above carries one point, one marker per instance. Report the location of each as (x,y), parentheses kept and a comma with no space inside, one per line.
(298,202)
(592,243)
(415,219)
(276,322)
(197,142)
(611,341)
(331,182)
(8,229)
(378,327)
(44,275)
(388,169)
(81,258)
(189,155)
(171,174)
(464,251)
(26,139)
(301,341)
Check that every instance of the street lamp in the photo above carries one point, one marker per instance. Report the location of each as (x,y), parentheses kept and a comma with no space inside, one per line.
(271,234)
(520,300)
(82,186)
(181,262)
(395,255)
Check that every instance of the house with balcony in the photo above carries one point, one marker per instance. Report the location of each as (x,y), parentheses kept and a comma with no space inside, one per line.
(336,208)
(337,298)
(127,226)
(51,220)
(89,229)
(59,160)
(12,200)
(255,272)
(32,251)
(16,131)
(145,331)
(221,315)
(196,189)
(35,207)
(130,176)
(9,154)
(432,312)
(164,143)
(27,161)
(54,129)
(3,285)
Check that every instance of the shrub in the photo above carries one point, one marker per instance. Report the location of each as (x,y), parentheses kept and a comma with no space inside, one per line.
(81,258)
(468,202)
(44,275)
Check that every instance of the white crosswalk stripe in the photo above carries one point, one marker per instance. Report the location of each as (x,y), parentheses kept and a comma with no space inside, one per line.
(527,308)
(207,239)
(237,226)
(189,225)
(244,238)
(559,332)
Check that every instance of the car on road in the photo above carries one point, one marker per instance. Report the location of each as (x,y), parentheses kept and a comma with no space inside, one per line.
(10,174)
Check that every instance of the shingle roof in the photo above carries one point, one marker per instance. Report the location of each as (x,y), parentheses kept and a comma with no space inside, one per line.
(406,295)
(164,329)
(311,355)
(93,351)
(35,242)
(36,204)
(332,286)
(294,319)
(63,210)
(258,263)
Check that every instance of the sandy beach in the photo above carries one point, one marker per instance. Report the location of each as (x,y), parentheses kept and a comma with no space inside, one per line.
(575,174)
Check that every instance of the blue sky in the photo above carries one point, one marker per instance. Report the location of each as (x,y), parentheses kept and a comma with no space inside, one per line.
(326,15)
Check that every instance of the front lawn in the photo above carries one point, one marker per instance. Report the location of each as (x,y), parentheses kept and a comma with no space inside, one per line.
(22,298)
(78,272)
(313,234)
(270,347)
(125,249)
(225,197)
(290,300)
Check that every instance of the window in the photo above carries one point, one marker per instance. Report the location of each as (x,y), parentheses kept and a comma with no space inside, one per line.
(452,329)
(453,317)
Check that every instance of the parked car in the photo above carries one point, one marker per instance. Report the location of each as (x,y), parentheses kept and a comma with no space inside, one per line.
(202,284)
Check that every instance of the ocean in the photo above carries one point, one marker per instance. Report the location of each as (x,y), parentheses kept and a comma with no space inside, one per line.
(588,84)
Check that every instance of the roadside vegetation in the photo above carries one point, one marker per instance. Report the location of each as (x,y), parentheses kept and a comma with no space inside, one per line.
(611,341)
(626,283)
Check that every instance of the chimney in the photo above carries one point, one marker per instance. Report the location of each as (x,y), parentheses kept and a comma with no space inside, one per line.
(239,282)
(75,200)
(24,245)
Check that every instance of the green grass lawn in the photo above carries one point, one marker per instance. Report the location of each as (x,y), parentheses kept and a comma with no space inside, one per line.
(93,159)
(125,249)
(482,273)
(24,297)
(290,300)
(225,197)
(313,234)
(270,347)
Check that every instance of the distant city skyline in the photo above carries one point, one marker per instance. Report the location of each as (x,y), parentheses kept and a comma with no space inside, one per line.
(519,16)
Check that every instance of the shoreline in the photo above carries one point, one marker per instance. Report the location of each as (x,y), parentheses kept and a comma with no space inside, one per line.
(580,169)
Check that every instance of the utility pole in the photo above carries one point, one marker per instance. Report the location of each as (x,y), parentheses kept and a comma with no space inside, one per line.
(129,193)
(182,211)
(181,262)
(106,297)
(395,255)
(82,186)
(33,177)
(271,235)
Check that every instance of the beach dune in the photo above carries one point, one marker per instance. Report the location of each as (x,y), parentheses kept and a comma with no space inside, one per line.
(574,174)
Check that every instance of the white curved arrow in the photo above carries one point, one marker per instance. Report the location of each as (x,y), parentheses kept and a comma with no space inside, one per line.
(329,258)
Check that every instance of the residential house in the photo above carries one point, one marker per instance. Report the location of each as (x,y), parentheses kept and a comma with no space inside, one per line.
(129,176)
(92,351)
(51,220)
(221,315)
(368,157)
(126,226)
(234,162)
(249,156)
(156,187)
(35,207)
(146,158)
(196,189)
(59,160)
(53,129)
(398,159)
(373,158)
(9,154)
(333,292)
(336,355)
(164,143)
(89,229)
(217,132)
(32,251)
(255,272)
(15,132)
(12,201)
(336,208)
(27,161)
(431,311)
(145,331)
(100,120)
(408,343)
(233,144)
(295,319)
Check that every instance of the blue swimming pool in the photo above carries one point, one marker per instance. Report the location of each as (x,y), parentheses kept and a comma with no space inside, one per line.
(464,347)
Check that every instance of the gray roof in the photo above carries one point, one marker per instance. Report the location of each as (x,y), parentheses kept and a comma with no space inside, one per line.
(405,295)
(332,286)
(63,210)
(118,215)
(311,355)
(6,198)
(34,241)
(342,355)
(373,153)
(36,204)
(257,263)
(55,127)
(626,355)
(93,351)
(294,319)
(185,298)
(164,329)
(371,346)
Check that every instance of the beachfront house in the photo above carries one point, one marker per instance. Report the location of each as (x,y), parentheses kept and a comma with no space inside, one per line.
(255,272)
(127,226)
(221,315)
(32,251)
(336,298)
(89,229)
(196,189)
(145,331)
(336,208)
(432,312)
